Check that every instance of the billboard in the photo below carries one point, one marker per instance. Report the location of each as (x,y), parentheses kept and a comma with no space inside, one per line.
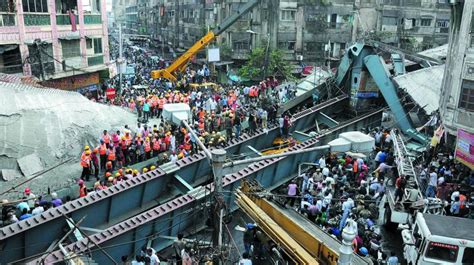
(213,55)
(465,148)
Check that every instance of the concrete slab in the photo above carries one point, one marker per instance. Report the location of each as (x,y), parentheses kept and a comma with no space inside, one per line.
(10,174)
(30,164)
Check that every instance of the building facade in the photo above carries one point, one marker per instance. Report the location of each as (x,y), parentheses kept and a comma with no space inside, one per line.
(62,43)
(457,91)
(306,30)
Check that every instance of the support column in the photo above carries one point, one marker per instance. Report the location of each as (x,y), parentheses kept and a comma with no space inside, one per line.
(57,51)
(105,31)
(22,32)
(82,33)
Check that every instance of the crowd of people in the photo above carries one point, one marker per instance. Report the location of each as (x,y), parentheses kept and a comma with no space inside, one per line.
(343,187)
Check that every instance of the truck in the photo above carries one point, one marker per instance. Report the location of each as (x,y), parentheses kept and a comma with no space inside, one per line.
(438,239)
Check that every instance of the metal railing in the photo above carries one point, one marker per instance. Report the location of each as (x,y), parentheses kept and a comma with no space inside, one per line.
(37,19)
(7,19)
(64,19)
(92,19)
(95,60)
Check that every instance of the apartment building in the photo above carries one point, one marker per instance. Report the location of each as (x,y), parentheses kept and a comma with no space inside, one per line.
(457,91)
(306,30)
(63,43)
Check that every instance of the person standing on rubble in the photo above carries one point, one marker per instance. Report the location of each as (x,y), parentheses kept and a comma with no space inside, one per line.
(86,164)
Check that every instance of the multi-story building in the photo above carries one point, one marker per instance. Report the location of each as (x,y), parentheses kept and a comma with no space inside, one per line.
(62,43)
(308,30)
(414,24)
(457,90)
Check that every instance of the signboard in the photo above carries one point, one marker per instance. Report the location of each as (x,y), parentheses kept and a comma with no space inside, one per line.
(73,82)
(110,93)
(465,148)
(213,55)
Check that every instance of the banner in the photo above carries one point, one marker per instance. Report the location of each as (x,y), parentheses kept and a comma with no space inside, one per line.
(465,148)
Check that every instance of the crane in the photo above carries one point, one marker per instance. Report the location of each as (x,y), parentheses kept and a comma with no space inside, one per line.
(179,65)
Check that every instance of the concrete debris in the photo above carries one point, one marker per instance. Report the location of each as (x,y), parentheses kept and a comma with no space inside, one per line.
(10,174)
(55,125)
(424,86)
(30,164)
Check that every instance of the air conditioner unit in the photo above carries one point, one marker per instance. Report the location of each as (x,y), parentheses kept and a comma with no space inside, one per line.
(299,57)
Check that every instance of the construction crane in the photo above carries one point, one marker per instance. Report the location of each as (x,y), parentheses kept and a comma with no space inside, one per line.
(179,65)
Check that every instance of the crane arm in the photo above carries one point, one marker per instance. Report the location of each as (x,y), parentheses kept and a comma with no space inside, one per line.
(180,63)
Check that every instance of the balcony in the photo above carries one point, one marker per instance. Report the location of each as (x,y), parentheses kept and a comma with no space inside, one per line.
(37,19)
(92,19)
(63,19)
(95,60)
(7,20)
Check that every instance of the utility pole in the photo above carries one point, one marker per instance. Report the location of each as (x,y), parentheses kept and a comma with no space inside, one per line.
(218,160)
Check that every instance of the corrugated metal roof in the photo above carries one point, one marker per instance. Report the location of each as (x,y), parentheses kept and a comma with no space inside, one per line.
(424,86)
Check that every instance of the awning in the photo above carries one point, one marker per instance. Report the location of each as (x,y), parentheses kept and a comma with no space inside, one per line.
(9,47)
(70,37)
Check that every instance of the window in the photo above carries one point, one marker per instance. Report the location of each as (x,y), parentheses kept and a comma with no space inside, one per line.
(426,22)
(287,45)
(70,48)
(389,21)
(97,45)
(441,251)
(35,6)
(7,6)
(289,15)
(88,44)
(468,257)
(466,100)
(240,45)
(442,23)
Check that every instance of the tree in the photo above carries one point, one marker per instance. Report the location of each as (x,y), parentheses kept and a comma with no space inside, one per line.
(254,69)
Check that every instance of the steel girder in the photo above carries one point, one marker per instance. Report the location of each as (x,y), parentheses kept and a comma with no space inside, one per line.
(129,235)
(104,208)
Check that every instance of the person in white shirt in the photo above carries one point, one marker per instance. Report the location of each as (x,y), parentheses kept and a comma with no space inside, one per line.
(245,260)
(322,162)
(154,260)
(38,209)
(325,171)
(173,157)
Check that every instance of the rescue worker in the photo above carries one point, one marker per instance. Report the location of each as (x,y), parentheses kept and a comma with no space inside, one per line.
(86,164)
(82,189)
(102,154)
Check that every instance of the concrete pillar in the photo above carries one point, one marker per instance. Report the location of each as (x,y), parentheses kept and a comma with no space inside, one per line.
(105,31)
(82,33)
(345,251)
(57,51)
(21,29)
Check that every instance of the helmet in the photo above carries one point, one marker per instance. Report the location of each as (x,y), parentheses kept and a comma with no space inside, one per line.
(88,152)
(135,171)
(110,179)
(27,190)
(120,171)
(363,251)
(152,168)
(80,182)
(54,195)
(96,150)
(145,170)
(117,174)
(108,174)
(87,147)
